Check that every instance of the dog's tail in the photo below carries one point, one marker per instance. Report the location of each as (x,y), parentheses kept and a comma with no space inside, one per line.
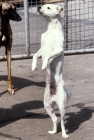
(68,92)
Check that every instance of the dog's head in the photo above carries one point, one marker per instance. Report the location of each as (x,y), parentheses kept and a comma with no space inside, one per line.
(50,10)
(8,11)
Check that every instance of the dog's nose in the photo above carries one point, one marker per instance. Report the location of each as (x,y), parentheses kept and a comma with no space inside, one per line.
(39,8)
(19,18)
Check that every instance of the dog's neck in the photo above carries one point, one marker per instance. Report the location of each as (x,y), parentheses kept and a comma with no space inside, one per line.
(3,22)
(55,23)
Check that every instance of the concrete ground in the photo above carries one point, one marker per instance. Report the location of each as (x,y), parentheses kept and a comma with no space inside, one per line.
(22,115)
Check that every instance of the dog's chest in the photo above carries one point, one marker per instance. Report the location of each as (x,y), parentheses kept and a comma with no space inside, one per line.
(48,40)
(2,39)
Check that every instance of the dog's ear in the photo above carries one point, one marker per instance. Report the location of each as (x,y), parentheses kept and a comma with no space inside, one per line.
(59,9)
(13,6)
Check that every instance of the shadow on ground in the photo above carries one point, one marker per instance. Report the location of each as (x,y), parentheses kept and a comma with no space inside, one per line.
(75,119)
(20,83)
(72,122)
(20,111)
(2,135)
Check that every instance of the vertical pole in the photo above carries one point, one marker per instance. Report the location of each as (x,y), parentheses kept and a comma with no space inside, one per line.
(66,23)
(93,20)
(27,37)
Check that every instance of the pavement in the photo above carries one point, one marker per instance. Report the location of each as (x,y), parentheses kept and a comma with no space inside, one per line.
(22,115)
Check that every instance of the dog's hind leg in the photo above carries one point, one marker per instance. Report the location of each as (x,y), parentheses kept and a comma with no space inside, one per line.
(48,104)
(61,104)
(62,112)
(8,54)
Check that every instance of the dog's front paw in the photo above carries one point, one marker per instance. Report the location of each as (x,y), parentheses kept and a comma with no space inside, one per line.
(33,66)
(65,136)
(44,65)
(52,132)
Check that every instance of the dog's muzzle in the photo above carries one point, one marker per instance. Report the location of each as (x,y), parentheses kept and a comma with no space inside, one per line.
(40,11)
(39,8)
(15,16)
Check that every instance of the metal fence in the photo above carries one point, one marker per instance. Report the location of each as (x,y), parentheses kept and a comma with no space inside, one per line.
(77,23)
(79,26)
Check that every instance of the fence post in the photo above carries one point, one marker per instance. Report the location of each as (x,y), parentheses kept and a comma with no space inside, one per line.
(27,35)
(93,21)
(66,23)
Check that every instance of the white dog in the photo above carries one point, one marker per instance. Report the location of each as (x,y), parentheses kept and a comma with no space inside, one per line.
(52,52)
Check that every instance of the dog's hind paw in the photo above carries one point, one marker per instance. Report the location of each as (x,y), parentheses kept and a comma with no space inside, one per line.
(52,132)
(65,136)
(11,91)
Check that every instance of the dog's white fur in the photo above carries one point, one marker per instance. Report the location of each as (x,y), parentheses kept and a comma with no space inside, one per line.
(52,52)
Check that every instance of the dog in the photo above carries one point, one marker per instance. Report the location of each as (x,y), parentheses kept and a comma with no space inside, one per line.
(7,13)
(52,52)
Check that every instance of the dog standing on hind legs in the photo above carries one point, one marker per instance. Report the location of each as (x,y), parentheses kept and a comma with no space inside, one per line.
(7,13)
(52,52)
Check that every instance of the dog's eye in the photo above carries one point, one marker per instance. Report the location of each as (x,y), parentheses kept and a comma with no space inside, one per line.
(4,11)
(48,7)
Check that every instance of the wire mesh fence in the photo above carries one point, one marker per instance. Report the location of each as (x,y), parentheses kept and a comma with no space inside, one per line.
(77,23)
(80,24)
